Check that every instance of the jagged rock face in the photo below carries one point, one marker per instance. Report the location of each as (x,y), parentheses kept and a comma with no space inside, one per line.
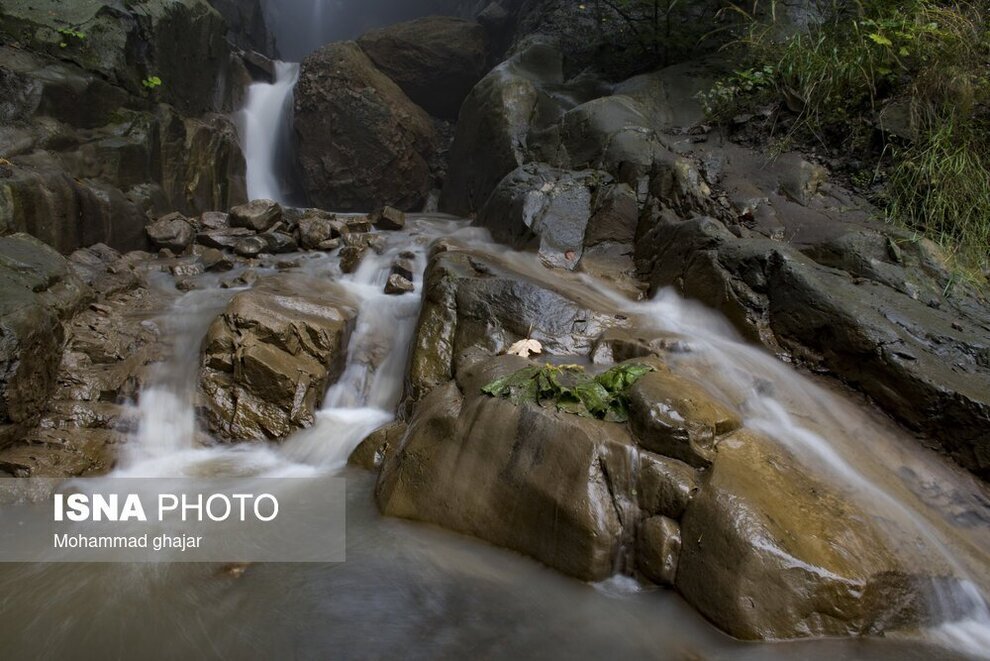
(246,26)
(435,60)
(269,358)
(362,142)
(180,41)
(89,159)
(39,291)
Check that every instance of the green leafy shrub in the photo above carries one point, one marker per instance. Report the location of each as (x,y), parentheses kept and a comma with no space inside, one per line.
(68,34)
(151,82)
(570,389)
(837,79)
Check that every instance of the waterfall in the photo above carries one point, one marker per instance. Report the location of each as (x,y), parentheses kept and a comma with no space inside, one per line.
(266,133)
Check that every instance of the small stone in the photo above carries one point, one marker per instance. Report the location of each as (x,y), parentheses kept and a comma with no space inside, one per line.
(214,220)
(389,218)
(224,239)
(173,232)
(350,258)
(403,267)
(187,269)
(245,279)
(328,245)
(257,215)
(251,246)
(185,284)
(280,242)
(397,285)
(358,223)
(213,259)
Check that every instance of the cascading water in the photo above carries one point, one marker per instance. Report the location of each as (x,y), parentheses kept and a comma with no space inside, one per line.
(265,127)
(402,580)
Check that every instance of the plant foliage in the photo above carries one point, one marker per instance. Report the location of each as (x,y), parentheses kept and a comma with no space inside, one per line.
(841,78)
(570,389)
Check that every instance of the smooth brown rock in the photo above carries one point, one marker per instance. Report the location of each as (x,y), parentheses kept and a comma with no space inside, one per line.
(658,547)
(398,285)
(770,552)
(676,417)
(544,483)
(378,446)
(389,218)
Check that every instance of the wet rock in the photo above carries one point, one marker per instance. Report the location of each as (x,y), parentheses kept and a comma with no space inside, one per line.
(328,245)
(673,416)
(279,242)
(361,140)
(743,566)
(257,215)
(435,60)
(379,446)
(213,259)
(269,358)
(666,485)
(398,285)
(544,483)
(251,246)
(351,256)
(214,220)
(38,291)
(170,30)
(224,239)
(245,279)
(389,218)
(187,269)
(56,453)
(495,120)
(554,205)
(891,337)
(359,224)
(103,269)
(317,228)
(172,231)
(658,547)
(473,304)
(404,267)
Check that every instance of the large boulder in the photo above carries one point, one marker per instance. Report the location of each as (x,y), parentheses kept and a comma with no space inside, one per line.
(435,60)
(362,142)
(270,356)
(495,120)
(474,305)
(544,483)
(39,291)
(770,552)
(545,205)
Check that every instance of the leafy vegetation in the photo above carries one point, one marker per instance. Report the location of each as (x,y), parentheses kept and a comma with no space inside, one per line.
(68,34)
(569,388)
(151,82)
(903,86)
